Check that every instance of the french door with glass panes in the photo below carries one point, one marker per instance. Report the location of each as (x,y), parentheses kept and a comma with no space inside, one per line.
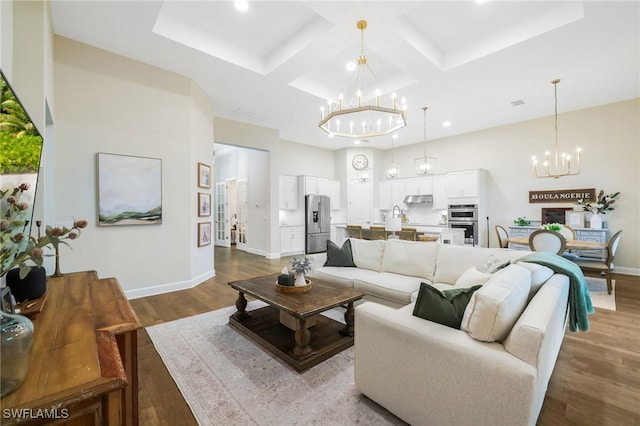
(221,222)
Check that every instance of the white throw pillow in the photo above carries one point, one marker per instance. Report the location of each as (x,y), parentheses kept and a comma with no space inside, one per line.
(412,258)
(367,254)
(497,305)
(493,264)
(472,277)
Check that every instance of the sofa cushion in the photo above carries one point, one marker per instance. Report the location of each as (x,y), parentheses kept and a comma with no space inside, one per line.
(339,256)
(412,258)
(453,260)
(394,287)
(497,305)
(539,275)
(472,277)
(444,307)
(367,254)
(342,276)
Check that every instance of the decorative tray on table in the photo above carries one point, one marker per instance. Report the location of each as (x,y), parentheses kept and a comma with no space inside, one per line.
(293,288)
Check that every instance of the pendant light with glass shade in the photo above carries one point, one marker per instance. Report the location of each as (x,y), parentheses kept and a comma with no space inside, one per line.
(393,170)
(425,165)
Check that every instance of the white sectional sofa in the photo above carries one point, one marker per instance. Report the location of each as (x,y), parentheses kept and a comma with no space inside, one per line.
(494,370)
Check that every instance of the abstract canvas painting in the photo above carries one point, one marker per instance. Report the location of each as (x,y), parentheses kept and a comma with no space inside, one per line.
(129,190)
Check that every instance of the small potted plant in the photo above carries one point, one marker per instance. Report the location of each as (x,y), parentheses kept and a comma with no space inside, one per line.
(552,227)
(600,206)
(522,221)
(301,266)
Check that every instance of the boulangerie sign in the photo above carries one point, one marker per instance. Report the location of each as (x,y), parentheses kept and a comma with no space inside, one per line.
(562,195)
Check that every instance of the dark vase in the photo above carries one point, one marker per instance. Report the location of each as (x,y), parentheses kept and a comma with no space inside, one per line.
(33,286)
(16,344)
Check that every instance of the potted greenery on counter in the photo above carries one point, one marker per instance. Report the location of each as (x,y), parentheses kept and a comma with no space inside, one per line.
(522,221)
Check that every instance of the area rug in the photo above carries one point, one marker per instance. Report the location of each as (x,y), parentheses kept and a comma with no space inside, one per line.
(598,293)
(226,379)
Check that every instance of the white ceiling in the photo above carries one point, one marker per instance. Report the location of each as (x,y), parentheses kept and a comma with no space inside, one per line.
(277,63)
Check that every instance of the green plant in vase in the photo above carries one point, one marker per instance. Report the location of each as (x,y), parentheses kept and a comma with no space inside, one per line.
(522,221)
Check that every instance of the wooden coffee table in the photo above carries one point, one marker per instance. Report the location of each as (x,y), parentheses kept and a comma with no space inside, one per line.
(307,345)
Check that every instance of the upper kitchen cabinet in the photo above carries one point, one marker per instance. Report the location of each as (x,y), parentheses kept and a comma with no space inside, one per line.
(440,192)
(465,183)
(314,185)
(288,193)
(419,186)
(391,193)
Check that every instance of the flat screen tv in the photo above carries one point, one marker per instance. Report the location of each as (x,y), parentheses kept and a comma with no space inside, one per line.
(20,148)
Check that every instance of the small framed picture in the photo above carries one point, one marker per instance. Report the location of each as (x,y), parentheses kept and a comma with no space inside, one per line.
(204,176)
(204,234)
(574,219)
(204,204)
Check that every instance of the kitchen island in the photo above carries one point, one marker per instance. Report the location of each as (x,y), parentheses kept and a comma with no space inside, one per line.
(445,234)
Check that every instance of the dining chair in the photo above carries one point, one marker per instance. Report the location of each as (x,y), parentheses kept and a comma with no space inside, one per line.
(567,232)
(355,231)
(547,241)
(503,235)
(378,233)
(408,234)
(601,266)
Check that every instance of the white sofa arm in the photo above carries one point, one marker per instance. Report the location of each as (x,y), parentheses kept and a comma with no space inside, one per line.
(427,373)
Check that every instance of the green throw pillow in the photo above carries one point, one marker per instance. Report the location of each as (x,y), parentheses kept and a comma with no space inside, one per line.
(444,307)
(339,256)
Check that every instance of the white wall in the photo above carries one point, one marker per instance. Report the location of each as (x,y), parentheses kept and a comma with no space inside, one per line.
(609,136)
(107,103)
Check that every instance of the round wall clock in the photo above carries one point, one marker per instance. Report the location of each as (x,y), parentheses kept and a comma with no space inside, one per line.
(360,162)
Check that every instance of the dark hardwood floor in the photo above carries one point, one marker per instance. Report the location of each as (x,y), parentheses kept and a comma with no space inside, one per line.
(596,380)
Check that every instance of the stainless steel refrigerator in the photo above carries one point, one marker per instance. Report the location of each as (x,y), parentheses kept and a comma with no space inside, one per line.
(318,223)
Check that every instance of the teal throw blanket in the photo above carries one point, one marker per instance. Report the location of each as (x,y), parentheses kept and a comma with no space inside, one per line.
(580,305)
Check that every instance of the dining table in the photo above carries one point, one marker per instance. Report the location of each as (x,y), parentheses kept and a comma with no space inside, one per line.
(571,244)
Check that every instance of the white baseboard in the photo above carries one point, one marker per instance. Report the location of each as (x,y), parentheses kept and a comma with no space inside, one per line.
(627,271)
(168,287)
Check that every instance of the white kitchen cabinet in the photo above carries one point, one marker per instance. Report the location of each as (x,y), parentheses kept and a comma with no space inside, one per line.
(398,192)
(339,234)
(310,185)
(291,240)
(392,193)
(314,185)
(334,193)
(323,186)
(419,186)
(440,201)
(288,193)
(384,195)
(463,184)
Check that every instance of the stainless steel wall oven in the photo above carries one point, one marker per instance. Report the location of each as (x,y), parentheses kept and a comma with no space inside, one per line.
(465,217)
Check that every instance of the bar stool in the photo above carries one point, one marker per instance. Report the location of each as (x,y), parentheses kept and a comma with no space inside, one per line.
(407,234)
(355,231)
(378,233)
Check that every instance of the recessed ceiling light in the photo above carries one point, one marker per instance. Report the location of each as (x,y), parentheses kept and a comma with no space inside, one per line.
(351,66)
(446,123)
(241,5)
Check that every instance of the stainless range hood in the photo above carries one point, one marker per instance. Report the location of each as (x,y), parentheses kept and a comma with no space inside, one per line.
(419,199)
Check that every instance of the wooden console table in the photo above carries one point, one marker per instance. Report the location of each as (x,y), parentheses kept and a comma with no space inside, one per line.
(84,365)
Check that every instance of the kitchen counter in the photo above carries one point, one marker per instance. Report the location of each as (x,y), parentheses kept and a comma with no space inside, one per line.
(446,235)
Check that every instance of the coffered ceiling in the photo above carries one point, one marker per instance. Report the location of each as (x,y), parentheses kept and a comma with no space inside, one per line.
(469,62)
